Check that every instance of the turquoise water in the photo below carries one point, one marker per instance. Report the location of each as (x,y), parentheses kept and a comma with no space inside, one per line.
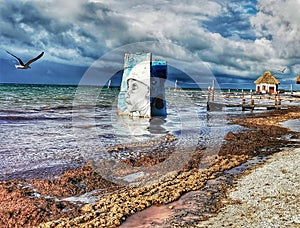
(47,129)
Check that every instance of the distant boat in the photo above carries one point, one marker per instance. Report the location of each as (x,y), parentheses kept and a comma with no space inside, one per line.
(108,84)
(175,86)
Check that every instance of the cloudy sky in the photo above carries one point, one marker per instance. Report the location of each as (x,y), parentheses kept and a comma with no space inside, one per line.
(237,40)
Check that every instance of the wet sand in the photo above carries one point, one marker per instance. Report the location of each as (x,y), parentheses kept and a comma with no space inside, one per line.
(43,202)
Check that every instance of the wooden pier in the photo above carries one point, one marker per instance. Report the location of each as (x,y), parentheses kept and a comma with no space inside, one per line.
(213,105)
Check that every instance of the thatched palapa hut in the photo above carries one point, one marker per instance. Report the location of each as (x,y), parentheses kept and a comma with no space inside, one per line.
(267,83)
(298,79)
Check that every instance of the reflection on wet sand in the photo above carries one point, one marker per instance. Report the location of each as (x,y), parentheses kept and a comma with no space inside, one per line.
(130,126)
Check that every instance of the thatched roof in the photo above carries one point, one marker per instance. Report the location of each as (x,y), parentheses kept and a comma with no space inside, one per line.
(267,78)
(298,79)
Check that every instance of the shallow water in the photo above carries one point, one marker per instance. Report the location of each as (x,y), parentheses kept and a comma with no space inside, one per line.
(47,129)
(294,125)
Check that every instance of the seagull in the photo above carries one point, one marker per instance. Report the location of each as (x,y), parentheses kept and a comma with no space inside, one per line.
(26,65)
(282,71)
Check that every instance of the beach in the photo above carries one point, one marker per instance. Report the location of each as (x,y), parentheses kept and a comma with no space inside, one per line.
(82,197)
(267,196)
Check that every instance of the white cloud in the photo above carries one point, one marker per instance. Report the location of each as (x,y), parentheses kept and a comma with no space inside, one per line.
(80,31)
(280,22)
(61,10)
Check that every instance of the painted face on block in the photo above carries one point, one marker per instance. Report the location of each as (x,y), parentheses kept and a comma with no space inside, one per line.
(137,95)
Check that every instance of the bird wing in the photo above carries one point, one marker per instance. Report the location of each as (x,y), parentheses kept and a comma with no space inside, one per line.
(34,59)
(19,60)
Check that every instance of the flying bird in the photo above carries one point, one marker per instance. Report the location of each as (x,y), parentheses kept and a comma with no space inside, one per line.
(283,70)
(26,65)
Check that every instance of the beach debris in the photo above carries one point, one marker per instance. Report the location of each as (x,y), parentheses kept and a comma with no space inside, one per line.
(230,136)
(115,207)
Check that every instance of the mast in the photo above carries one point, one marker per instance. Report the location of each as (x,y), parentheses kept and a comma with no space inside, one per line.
(108,84)
(213,90)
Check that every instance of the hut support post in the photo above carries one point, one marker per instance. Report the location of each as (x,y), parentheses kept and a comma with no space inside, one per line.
(243,98)
(251,98)
(279,99)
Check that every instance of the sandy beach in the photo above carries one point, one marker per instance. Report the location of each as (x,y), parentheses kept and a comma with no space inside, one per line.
(189,197)
(266,196)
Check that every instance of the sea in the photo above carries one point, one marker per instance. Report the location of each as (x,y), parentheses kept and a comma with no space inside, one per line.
(47,129)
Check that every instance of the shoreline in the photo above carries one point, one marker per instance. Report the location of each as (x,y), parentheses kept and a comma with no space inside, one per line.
(39,195)
(230,198)
(265,196)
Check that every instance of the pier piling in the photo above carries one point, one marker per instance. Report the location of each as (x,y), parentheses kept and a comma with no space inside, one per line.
(243,98)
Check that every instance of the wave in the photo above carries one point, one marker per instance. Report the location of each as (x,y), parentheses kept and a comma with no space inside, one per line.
(11,118)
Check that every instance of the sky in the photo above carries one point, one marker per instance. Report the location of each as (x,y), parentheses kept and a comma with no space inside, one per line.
(234,40)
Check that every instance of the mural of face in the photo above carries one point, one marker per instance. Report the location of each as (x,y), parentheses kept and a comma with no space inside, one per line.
(137,96)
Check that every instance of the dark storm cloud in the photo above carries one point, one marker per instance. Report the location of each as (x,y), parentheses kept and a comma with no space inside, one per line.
(233,37)
(29,25)
(234,21)
(16,17)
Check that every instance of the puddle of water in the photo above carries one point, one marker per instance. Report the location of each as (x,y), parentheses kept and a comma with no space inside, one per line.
(87,198)
(148,217)
(294,125)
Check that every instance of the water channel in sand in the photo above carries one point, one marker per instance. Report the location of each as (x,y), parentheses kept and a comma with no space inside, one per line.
(195,201)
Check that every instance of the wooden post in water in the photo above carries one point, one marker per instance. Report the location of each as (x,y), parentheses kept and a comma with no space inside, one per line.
(275,99)
(208,99)
(208,94)
(279,99)
(251,98)
(243,98)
